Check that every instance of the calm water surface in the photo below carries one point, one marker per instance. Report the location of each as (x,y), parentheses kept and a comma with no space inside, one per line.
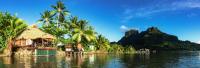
(158,60)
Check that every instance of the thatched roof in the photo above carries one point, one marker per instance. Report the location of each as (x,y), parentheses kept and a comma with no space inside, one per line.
(34,33)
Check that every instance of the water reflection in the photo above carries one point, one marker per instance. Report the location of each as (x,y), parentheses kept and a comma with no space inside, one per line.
(158,60)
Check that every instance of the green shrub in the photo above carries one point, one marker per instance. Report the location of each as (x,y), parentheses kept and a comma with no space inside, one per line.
(129,49)
(115,48)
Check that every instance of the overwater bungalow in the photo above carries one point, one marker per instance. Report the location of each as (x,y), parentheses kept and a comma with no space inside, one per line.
(69,48)
(36,40)
(73,49)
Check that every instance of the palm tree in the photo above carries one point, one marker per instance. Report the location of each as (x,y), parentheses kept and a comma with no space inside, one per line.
(46,17)
(74,22)
(57,25)
(102,43)
(60,11)
(81,32)
(10,27)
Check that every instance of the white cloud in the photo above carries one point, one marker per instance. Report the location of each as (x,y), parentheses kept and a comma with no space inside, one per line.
(127,18)
(124,28)
(147,11)
(127,15)
(187,4)
(198,42)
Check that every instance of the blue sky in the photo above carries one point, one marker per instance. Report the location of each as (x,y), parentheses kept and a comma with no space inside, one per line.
(112,17)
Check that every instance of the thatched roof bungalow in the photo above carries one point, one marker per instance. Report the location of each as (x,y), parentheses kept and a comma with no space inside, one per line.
(34,37)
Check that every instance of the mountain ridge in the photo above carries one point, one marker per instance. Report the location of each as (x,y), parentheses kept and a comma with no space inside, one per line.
(155,39)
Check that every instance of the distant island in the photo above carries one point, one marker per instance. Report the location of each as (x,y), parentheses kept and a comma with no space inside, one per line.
(154,39)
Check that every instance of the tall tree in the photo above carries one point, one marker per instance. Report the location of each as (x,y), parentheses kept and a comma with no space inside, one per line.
(10,27)
(81,32)
(46,17)
(58,25)
(60,11)
(102,43)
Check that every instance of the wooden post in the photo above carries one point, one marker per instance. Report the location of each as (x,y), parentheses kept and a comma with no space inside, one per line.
(20,42)
(42,41)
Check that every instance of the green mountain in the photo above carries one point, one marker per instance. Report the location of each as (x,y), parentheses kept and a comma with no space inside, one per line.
(155,39)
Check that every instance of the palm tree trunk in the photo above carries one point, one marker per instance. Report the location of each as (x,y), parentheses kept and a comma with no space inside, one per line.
(47,23)
(8,49)
(58,21)
(79,47)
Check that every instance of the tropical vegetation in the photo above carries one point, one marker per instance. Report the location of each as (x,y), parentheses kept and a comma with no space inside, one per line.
(71,29)
(66,29)
(102,43)
(10,27)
